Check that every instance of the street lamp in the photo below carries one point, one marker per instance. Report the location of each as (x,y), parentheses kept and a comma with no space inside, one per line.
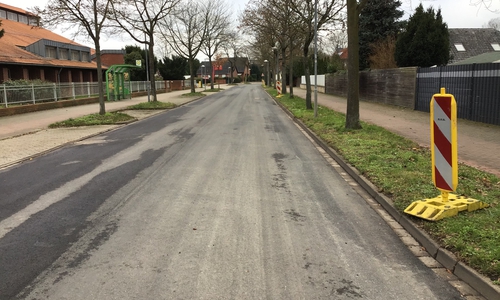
(228,74)
(267,65)
(203,76)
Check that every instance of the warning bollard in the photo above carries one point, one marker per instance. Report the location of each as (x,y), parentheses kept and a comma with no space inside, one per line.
(278,87)
(444,164)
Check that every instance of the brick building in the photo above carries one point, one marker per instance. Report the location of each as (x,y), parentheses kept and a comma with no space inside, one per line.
(29,51)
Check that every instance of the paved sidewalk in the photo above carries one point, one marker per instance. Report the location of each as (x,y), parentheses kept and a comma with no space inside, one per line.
(27,135)
(478,143)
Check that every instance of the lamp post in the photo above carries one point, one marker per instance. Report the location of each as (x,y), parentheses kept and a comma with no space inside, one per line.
(275,50)
(228,74)
(316,58)
(203,76)
(147,66)
(267,66)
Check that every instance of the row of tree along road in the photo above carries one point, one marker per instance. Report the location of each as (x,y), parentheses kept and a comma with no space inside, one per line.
(276,31)
(185,27)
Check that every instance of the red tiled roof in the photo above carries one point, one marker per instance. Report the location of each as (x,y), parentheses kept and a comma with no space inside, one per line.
(16,9)
(343,53)
(21,35)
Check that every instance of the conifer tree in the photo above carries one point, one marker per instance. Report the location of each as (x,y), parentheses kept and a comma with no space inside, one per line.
(378,21)
(425,42)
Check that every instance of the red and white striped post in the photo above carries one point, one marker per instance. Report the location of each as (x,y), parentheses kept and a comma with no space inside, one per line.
(444,143)
(278,87)
(444,165)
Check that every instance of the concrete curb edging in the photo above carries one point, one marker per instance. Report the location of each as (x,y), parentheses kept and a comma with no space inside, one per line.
(477,281)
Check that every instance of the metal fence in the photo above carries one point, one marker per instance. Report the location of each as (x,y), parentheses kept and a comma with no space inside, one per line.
(23,94)
(476,89)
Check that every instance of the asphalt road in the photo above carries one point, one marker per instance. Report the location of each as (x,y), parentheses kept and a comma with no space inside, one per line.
(223,198)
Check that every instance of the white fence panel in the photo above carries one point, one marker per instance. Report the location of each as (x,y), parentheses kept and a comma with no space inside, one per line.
(21,94)
(321,80)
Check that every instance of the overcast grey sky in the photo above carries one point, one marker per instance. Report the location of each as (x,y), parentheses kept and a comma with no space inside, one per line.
(456,13)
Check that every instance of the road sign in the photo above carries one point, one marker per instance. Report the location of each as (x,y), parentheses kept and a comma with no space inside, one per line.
(278,87)
(444,141)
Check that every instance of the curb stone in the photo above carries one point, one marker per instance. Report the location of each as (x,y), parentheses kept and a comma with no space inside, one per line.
(477,281)
(480,283)
(447,259)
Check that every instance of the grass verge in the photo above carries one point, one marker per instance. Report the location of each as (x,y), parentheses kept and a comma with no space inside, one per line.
(196,94)
(109,118)
(153,105)
(401,170)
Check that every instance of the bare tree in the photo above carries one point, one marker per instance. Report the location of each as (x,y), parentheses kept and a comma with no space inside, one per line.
(352,114)
(335,40)
(329,12)
(232,46)
(218,22)
(185,32)
(270,21)
(140,18)
(493,23)
(488,4)
(89,17)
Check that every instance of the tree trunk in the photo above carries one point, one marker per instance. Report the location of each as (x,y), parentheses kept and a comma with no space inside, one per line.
(283,71)
(102,106)
(191,72)
(211,73)
(308,81)
(231,73)
(151,57)
(291,78)
(352,114)
(291,69)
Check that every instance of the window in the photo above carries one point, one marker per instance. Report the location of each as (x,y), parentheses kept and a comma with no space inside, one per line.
(459,47)
(12,16)
(63,54)
(23,19)
(496,46)
(50,52)
(75,55)
(3,14)
(85,56)
(33,21)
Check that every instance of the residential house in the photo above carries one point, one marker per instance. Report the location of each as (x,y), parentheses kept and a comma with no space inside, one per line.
(469,42)
(222,68)
(489,57)
(111,57)
(32,52)
(343,54)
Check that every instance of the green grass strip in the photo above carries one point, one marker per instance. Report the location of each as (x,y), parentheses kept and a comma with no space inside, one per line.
(401,170)
(153,105)
(109,118)
(195,94)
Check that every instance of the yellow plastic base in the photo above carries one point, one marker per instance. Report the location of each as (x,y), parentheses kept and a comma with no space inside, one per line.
(438,208)
(279,96)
